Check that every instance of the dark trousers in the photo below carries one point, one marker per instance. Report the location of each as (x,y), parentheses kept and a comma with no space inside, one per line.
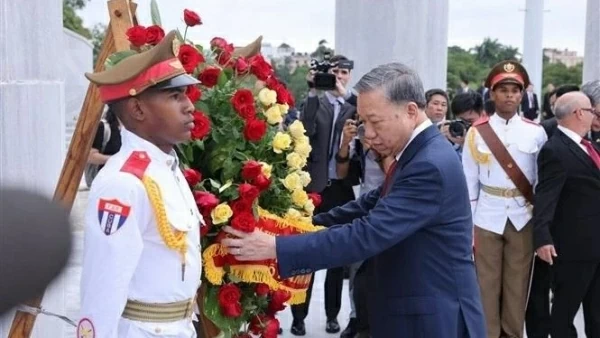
(575,283)
(336,194)
(537,316)
(361,297)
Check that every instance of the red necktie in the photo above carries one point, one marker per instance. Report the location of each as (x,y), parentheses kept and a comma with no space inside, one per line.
(591,151)
(388,178)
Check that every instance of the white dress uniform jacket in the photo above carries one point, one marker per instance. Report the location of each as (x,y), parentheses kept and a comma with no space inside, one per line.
(523,139)
(124,254)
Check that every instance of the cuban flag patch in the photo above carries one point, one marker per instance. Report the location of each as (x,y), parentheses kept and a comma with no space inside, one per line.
(112,214)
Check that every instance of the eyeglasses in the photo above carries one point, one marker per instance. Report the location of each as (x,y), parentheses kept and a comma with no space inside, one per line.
(591,110)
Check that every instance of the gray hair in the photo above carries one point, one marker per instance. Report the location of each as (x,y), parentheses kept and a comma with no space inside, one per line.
(400,83)
(592,90)
(567,104)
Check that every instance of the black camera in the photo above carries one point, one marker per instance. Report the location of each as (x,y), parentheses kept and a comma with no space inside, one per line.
(323,80)
(457,128)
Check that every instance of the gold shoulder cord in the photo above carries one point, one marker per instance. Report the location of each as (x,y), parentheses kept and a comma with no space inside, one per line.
(174,239)
(478,156)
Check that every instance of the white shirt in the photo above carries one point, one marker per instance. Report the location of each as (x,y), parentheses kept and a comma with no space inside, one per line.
(132,261)
(573,136)
(524,140)
(414,134)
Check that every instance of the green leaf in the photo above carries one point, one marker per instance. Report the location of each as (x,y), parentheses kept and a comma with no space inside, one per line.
(117,57)
(215,184)
(203,107)
(222,79)
(225,186)
(200,48)
(199,144)
(155,13)
(240,156)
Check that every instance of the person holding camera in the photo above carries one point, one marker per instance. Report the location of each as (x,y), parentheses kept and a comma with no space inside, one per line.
(323,117)
(467,108)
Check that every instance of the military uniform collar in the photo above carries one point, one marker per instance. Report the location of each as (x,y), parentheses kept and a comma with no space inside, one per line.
(498,120)
(137,143)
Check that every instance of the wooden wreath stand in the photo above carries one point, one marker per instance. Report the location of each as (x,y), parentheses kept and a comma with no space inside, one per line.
(122,17)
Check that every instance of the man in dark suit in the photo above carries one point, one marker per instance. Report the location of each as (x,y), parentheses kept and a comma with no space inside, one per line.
(415,230)
(551,124)
(529,104)
(323,118)
(566,213)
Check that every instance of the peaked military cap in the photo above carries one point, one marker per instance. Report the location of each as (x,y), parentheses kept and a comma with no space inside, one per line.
(157,67)
(508,72)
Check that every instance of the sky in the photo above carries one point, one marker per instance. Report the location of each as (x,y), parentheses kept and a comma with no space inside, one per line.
(303,23)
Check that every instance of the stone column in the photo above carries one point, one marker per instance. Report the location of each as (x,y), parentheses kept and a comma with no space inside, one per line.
(532,43)
(32,124)
(591,62)
(413,32)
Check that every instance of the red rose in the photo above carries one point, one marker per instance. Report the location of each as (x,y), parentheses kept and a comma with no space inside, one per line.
(257,323)
(224,58)
(206,201)
(251,170)
(254,130)
(244,221)
(192,176)
(247,112)
(241,66)
(283,95)
(316,198)
(271,329)
(278,299)
(262,182)
(240,206)
(204,229)
(190,58)
(201,126)
(272,83)
(209,76)
(154,34)
(221,236)
(242,98)
(193,93)
(221,44)
(243,335)
(191,18)
(137,35)
(229,294)
(232,310)
(262,289)
(248,192)
(260,67)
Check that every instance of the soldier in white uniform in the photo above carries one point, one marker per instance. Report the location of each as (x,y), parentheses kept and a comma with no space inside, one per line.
(500,167)
(141,264)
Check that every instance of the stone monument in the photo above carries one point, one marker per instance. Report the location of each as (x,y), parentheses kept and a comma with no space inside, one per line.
(413,32)
(591,61)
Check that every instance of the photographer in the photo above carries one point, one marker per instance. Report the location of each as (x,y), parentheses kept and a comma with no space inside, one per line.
(467,108)
(323,117)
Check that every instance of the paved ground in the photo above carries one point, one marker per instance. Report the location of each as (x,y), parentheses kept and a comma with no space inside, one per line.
(316,317)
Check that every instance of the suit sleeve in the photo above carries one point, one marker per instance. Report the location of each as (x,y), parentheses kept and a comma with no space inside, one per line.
(541,141)
(349,211)
(115,219)
(99,138)
(412,204)
(552,177)
(471,170)
(310,107)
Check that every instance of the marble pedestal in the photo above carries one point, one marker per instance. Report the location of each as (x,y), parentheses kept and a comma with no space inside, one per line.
(591,62)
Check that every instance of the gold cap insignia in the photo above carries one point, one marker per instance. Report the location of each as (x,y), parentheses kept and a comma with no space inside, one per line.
(132,92)
(176,46)
(509,67)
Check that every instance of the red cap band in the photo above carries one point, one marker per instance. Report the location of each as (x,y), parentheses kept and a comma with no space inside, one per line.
(504,76)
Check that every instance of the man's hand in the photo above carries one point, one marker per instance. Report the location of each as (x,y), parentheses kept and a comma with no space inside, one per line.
(254,246)
(340,90)
(546,253)
(310,77)
(460,140)
(349,132)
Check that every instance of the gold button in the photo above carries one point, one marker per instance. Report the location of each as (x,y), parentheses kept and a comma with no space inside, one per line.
(132,92)
(510,165)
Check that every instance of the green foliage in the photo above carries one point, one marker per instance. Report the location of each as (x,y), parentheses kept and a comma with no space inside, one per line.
(73,21)
(559,74)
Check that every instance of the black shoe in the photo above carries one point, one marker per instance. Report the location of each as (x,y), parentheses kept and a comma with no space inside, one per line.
(350,330)
(332,326)
(298,328)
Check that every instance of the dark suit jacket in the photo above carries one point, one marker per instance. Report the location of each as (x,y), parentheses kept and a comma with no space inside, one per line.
(567,200)
(550,126)
(530,113)
(418,241)
(317,117)
(547,109)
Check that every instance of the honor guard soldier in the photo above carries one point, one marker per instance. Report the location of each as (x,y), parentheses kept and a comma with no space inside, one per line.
(499,161)
(141,262)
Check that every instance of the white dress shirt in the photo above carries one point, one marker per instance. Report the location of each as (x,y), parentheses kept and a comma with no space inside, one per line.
(573,136)
(414,134)
(124,254)
(523,140)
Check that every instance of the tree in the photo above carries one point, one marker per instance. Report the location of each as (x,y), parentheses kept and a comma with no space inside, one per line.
(558,74)
(464,66)
(490,52)
(73,21)
(321,50)
(98,33)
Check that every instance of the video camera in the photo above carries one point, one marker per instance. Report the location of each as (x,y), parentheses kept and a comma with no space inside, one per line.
(324,80)
(457,128)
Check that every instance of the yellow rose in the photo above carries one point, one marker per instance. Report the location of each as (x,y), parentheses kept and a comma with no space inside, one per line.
(293,214)
(266,169)
(281,142)
(299,197)
(297,130)
(273,115)
(295,161)
(305,178)
(292,182)
(309,207)
(221,213)
(283,108)
(267,96)
(303,149)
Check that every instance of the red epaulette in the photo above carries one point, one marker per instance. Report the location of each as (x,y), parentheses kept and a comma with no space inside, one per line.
(481,120)
(530,121)
(136,164)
